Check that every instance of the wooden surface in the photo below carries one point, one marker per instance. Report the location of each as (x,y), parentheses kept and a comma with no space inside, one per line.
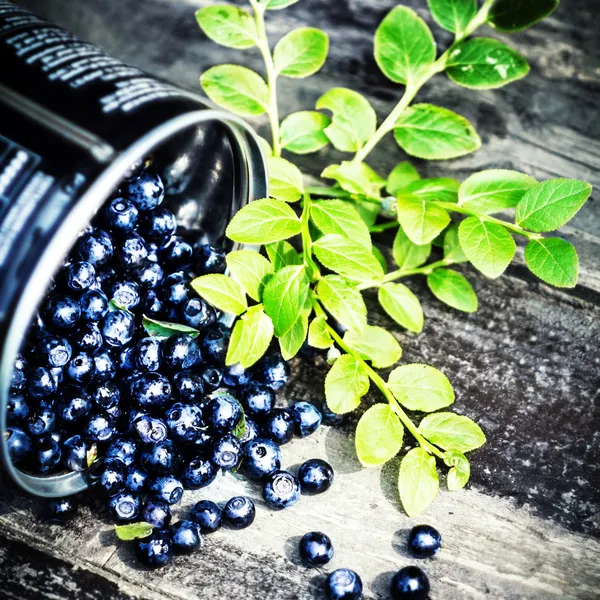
(526,366)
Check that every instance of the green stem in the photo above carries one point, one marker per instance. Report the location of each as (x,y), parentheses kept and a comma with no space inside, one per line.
(400,273)
(313,270)
(331,192)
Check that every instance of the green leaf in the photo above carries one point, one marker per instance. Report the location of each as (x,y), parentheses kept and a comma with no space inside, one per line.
(435,133)
(353,119)
(452,432)
(494,190)
(133,531)
(250,270)
(222,292)
(228,25)
(407,254)
(345,384)
(265,146)
(164,330)
(485,64)
(238,89)
(554,261)
(343,301)
(418,482)
(304,132)
(452,250)
(380,258)
(421,387)
(337,216)
(250,338)
(240,429)
(379,435)
(91,455)
(453,289)
(284,297)
(367,209)
(375,344)
(263,222)
(356,178)
(460,470)
(282,254)
(318,334)
(404,46)
(402,174)
(489,246)
(551,204)
(285,180)
(453,15)
(421,220)
(301,52)
(442,189)
(277,4)
(516,15)
(347,258)
(291,341)
(402,305)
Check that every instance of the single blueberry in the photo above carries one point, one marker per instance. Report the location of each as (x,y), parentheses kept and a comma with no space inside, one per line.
(410,583)
(155,550)
(208,515)
(211,378)
(53,351)
(210,259)
(17,409)
(198,314)
(74,404)
(257,400)
(175,289)
(180,352)
(136,479)
(150,390)
(43,420)
(158,226)
(107,395)
(273,371)
(146,191)
(110,476)
(261,457)
(19,444)
(131,251)
(151,305)
(18,380)
(176,253)
(117,327)
(316,549)
(239,513)
(46,454)
(156,513)
(74,453)
(100,428)
(150,430)
(316,476)
(93,305)
(87,338)
(119,216)
(198,473)
(343,584)
(125,506)
(281,490)
(60,510)
(40,383)
(62,312)
(105,367)
(147,354)
(161,458)
(236,375)
(80,276)
(125,359)
(95,247)
(184,422)
(166,488)
(188,386)
(227,452)
(222,413)
(424,541)
(214,346)
(81,368)
(125,294)
(149,275)
(278,425)
(307,418)
(122,448)
(186,536)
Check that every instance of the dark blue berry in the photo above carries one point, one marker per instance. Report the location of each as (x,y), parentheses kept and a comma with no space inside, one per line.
(123,449)
(74,404)
(214,346)
(46,454)
(188,386)
(316,549)
(105,367)
(222,413)
(53,351)
(166,488)
(410,583)
(17,409)
(329,417)
(136,479)
(150,430)
(184,422)
(120,216)
(95,247)
(93,305)
(150,390)
(210,259)
(40,383)
(149,275)
(281,490)
(19,444)
(198,314)
(80,276)
(153,249)
(62,312)
(131,251)
(258,400)
(261,457)
(273,371)
(198,473)
(43,420)
(87,338)
(125,506)
(100,428)
(60,510)
(208,515)
(146,191)
(424,541)
(58,375)
(227,451)
(147,354)
(251,431)
(107,395)
(81,368)
(125,359)
(211,378)
(151,305)
(155,550)
(186,536)
(278,425)
(175,253)
(176,289)
(158,226)
(236,375)
(117,327)
(18,379)
(161,458)
(316,476)
(343,584)
(239,513)
(110,476)
(74,453)
(125,294)
(156,513)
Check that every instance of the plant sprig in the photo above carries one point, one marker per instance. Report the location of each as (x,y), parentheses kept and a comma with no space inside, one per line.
(312,289)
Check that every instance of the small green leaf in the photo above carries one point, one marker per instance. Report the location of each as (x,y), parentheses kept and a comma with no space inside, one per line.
(356,178)
(347,258)
(402,305)
(494,190)
(250,338)
(551,204)
(337,216)
(285,180)
(343,301)
(263,222)
(421,220)
(301,53)
(375,344)
(485,64)
(460,470)
(222,292)
(404,46)
(240,429)
(113,306)
(228,25)
(488,246)
(435,133)
(418,482)
(277,4)
(265,146)
(453,289)
(367,209)
(345,384)
(402,174)
(407,254)
(353,119)
(452,432)
(164,330)
(453,15)
(554,261)
(516,15)
(282,254)
(318,334)
(442,189)
(250,270)
(380,258)
(304,132)
(421,387)
(379,435)
(291,341)
(238,89)
(452,250)
(133,531)
(284,297)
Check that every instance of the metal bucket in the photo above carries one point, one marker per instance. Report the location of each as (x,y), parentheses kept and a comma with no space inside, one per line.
(72,121)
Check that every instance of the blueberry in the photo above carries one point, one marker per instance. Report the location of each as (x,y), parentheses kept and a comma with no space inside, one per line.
(208,515)
(149,275)
(161,458)
(136,479)
(184,422)
(186,536)
(316,476)
(198,314)
(74,404)
(316,549)
(257,400)
(93,305)
(410,583)
(87,338)
(307,418)
(214,346)
(95,247)
(188,386)
(251,431)
(175,253)
(151,305)
(62,312)
(146,191)
(210,259)
(150,390)
(166,488)
(117,327)
(147,354)
(156,513)
(105,367)
(120,215)
(343,584)
(239,513)
(211,378)
(125,361)
(122,448)
(424,541)
(107,395)
(43,420)
(236,375)
(74,453)
(131,251)
(80,276)
(273,371)
(81,368)
(46,454)
(278,425)
(158,226)
(281,490)
(60,510)
(53,351)
(150,430)
(19,444)
(58,375)
(261,457)
(153,249)
(100,428)
(198,473)
(222,413)
(176,289)
(155,550)
(125,294)
(124,506)
(110,476)
(18,379)
(17,409)
(227,451)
